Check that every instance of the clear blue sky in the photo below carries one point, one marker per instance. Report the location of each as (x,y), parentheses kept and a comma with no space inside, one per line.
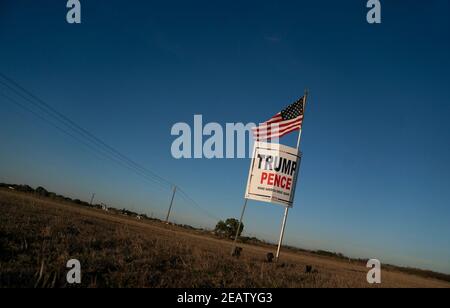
(375,176)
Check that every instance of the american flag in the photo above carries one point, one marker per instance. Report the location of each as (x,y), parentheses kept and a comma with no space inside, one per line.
(281,124)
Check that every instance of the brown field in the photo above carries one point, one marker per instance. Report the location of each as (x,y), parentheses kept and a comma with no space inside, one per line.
(38,236)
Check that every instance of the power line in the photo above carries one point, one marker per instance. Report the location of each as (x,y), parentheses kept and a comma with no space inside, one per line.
(74,126)
(98,152)
(93,143)
(101,146)
(185,196)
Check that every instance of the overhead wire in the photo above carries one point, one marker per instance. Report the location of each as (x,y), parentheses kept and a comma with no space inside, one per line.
(88,139)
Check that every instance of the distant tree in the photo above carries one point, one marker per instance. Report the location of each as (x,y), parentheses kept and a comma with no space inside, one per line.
(25,188)
(52,195)
(221,228)
(42,191)
(228,228)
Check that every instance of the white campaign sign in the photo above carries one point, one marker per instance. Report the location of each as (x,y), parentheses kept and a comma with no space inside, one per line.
(273,174)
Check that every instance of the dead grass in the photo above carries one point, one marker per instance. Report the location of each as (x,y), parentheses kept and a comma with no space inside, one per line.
(38,237)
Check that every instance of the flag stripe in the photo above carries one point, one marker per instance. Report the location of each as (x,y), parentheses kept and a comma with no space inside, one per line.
(278,135)
(269,133)
(275,125)
(276,130)
(275,119)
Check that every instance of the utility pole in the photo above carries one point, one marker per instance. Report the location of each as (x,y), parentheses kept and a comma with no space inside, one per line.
(171,204)
(92,199)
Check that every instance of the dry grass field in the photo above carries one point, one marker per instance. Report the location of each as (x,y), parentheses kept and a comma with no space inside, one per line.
(38,236)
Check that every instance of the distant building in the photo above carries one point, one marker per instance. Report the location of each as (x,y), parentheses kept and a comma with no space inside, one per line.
(12,188)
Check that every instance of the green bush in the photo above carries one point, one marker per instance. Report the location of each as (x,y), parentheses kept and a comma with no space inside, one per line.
(228,228)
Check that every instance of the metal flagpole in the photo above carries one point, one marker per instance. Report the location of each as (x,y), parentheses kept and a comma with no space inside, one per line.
(171,203)
(239,227)
(304,106)
(286,211)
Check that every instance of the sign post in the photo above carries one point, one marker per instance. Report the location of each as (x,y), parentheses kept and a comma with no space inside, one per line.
(239,227)
(283,226)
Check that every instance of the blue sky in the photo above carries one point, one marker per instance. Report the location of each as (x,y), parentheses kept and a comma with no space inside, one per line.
(375,174)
